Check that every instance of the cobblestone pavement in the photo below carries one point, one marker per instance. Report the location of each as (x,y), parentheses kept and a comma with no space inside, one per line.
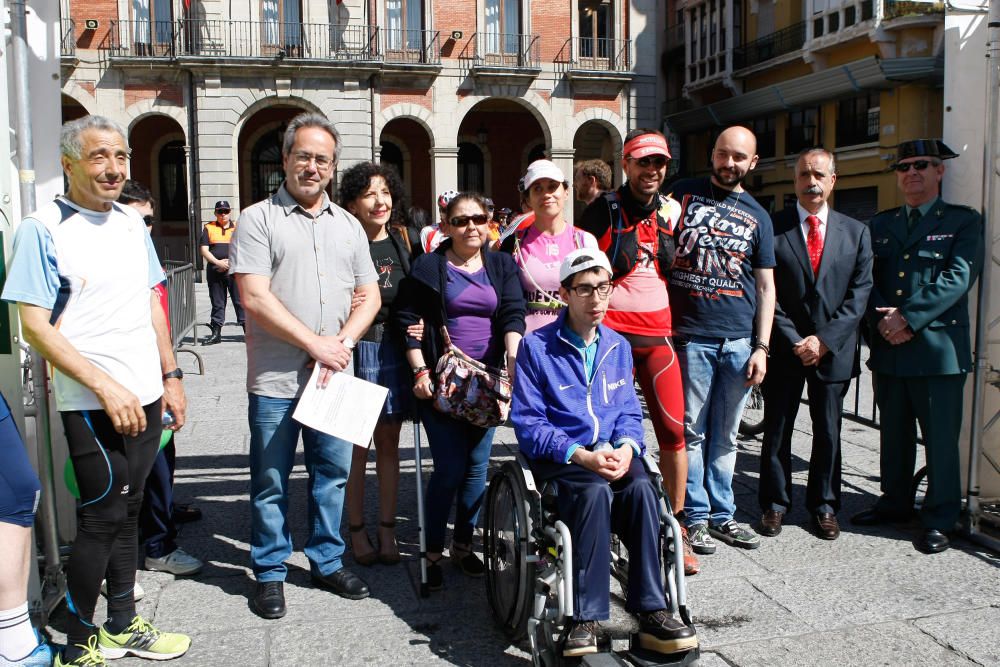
(867,598)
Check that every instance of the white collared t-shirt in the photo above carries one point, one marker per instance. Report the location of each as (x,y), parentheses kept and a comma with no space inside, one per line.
(94,270)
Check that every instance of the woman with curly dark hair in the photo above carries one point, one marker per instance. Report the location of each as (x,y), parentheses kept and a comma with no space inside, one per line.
(374,194)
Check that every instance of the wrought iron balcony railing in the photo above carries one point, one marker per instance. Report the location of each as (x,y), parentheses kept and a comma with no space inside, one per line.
(411,47)
(786,40)
(600,55)
(68,38)
(507,49)
(893,9)
(242,39)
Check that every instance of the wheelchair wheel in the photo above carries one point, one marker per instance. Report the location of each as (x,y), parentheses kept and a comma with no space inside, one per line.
(510,578)
(752,421)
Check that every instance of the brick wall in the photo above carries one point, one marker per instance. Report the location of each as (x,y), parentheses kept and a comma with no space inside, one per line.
(165,92)
(452,15)
(552,21)
(104,11)
(390,96)
(584,102)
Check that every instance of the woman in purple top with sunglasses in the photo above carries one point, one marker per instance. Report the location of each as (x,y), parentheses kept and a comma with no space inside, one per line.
(477,295)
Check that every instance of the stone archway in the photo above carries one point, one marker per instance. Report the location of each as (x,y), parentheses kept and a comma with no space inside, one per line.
(413,143)
(259,152)
(507,133)
(159,162)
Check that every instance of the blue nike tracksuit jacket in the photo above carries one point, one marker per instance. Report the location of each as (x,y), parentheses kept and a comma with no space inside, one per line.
(556,406)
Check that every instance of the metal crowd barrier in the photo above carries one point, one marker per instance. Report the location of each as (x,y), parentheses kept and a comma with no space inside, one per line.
(181,304)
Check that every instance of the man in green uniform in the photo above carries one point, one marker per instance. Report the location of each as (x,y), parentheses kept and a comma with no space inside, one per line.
(928,254)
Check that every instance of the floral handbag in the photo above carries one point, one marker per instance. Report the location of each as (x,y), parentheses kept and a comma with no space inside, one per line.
(470,390)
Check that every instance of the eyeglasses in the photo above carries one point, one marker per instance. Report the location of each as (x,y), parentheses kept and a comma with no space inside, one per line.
(304,159)
(586,291)
(657,161)
(463,220)
(222,211)
(919,165)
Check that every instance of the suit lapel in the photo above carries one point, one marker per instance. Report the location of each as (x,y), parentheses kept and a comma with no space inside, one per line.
(793,236)
(898,227)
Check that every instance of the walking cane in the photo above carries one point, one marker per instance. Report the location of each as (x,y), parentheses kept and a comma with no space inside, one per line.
(420,509)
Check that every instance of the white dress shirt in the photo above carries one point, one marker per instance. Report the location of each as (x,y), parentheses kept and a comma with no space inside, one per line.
(823,213)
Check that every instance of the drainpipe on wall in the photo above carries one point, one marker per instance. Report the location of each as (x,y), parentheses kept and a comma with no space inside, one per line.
(53,580)
(194,182)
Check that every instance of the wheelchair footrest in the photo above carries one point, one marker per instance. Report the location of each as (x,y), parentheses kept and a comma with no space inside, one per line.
(603,660)
(636,655)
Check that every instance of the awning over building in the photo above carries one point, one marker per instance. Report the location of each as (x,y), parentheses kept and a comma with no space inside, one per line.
(869,73)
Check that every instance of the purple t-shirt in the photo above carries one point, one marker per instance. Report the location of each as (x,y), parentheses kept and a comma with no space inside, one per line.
(470,302)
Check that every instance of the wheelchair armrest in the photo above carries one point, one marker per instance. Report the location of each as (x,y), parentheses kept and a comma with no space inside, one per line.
(652,469)
(529,479)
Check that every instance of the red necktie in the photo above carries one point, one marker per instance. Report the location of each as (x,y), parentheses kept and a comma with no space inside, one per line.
(814,243)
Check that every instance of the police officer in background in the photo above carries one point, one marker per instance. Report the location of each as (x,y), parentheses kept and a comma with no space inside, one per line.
(215,239)
(928,254)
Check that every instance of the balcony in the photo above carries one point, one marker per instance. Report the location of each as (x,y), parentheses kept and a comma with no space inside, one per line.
(507,57)
(67,41)
(848,21)
(411,47)
(218,39)
(784,41)
(596,66)
(894,9)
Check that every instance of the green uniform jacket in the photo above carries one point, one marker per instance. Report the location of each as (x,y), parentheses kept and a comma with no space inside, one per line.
(927,274)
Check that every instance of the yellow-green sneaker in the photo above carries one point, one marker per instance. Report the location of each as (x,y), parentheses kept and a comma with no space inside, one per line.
(91,656)
(142,640)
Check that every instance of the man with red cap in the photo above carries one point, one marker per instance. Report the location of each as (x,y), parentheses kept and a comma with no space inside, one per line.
(634,226)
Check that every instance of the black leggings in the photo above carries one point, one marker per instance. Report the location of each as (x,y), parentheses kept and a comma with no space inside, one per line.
(110,471)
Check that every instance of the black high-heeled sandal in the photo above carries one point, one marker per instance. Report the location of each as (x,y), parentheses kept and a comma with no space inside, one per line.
(435,575)
(467,561)
(366,560)
(384,558)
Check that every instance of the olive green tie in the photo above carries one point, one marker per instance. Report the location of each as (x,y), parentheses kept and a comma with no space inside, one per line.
(915,216)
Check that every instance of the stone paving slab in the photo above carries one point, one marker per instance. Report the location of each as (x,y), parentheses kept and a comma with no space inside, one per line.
(865,599)
(881,644)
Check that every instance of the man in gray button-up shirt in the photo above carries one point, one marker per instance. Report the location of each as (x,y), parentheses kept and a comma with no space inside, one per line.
(298,258)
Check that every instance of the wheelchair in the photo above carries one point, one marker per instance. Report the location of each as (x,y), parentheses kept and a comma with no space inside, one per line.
(529,558)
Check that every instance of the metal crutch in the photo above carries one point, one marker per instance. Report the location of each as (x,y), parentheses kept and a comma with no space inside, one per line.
(420,509)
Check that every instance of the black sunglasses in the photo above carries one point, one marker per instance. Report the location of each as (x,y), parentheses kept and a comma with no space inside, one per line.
(149,220)
(463,220)
(658,161)
(919,165)
(223,211)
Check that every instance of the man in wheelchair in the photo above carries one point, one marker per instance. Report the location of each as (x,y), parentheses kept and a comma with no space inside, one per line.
(579,423)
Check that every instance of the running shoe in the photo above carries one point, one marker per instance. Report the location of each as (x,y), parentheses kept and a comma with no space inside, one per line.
(691,564)
(178,562)
(143,641)
(735,535)
(701,541)
(40,657)
(91,656)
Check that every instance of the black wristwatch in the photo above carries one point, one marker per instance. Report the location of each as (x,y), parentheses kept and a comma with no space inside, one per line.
(176,373)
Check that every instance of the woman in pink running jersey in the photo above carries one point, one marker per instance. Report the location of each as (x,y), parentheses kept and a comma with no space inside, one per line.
(540,248)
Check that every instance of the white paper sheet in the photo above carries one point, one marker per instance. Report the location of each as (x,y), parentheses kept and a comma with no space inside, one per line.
(346,408)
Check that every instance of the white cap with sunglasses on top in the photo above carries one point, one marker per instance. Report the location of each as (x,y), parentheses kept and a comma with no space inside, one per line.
(540,169)
(583,259)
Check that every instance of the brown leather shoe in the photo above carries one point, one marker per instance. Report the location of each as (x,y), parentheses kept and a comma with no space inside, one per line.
(770,523)
(825,525)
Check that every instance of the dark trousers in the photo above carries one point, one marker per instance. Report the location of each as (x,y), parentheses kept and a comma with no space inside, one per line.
(782,393)
(592,508)
(936,404)
(218,285)
(111,471)
(157,530)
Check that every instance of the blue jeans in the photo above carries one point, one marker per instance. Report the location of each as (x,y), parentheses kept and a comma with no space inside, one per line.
(461,454)
(714,373)
(273,439)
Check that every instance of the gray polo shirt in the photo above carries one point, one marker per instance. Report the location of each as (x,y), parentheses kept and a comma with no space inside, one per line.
(314,264)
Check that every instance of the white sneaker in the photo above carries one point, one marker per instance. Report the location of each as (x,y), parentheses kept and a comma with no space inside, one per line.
(178,562)
(137,593)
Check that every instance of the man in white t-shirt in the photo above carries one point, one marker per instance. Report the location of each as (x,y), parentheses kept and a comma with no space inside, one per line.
(82,275)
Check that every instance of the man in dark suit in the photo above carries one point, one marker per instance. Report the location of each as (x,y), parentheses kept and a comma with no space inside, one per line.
(823,278)
(928,255)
